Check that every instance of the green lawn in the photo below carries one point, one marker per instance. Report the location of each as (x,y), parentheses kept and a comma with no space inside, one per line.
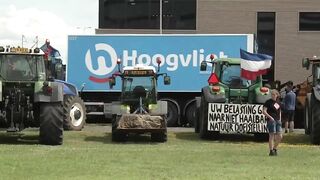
(90,154)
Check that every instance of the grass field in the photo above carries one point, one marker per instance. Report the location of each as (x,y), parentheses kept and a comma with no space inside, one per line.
(90,154)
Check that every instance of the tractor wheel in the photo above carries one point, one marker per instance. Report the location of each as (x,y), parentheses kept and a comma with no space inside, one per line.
(162,136)
(159,137)
(203,119)
(116,135)
(119,136)
(315,125)
(74,113)
(307,118)
(172,116)
(51,123)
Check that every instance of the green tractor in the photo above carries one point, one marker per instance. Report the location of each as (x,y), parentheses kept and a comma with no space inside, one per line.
(312,102)
(29,97)
(139,110)
(230,103)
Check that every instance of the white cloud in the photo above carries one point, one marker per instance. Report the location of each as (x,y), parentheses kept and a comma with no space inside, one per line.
(33,23)
(44,23)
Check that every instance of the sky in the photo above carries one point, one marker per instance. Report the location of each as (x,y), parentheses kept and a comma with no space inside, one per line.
(44,19)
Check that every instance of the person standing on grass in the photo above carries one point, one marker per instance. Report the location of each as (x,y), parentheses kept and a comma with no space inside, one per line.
(272,111)
(289,107)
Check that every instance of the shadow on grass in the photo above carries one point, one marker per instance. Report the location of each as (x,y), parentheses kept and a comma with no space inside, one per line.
(296,139)
(219,138)
(132,139)
(293,139)
(18,138)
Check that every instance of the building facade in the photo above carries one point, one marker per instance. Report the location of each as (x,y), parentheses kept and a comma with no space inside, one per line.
(286,29)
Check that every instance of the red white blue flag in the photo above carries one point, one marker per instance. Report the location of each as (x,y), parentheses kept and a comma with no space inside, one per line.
(253,65)
(49,50)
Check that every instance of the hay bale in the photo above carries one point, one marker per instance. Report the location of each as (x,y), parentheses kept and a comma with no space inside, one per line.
(139,121)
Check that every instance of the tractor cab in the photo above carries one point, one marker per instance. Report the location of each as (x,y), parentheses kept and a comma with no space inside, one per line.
(226,79)
(139,84)
(21,64)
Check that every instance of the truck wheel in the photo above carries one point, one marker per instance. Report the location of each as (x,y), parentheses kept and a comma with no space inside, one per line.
(315,130)
(159,137)
(196,121)
(51,123)
(191,113)
(307,118)
(172,116)
(74,113)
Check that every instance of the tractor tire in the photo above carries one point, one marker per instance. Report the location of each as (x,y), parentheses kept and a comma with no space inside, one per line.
(159,137)
(117,136)
(315,124)
(51,123)
(172,116)
(203,119)
(74,113)
(307,118)
(162,136)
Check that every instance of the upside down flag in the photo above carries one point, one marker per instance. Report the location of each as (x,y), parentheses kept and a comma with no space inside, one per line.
(49,50)
(253,65)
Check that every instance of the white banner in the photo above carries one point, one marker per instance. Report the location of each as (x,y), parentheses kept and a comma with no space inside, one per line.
(236,118)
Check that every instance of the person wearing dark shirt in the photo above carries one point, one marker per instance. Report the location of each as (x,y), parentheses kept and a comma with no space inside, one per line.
(289,108)
(272,111)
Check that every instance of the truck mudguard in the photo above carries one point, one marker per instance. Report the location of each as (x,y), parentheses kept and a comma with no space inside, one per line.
(160,108)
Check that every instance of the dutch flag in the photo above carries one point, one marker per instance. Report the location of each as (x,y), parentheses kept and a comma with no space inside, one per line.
(253,65)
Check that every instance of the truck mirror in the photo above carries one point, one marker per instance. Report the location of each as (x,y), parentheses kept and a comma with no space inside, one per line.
(167,80)
(306,63)
(203,66)
(112,82)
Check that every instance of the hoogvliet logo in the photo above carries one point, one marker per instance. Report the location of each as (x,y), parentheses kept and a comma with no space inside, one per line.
(132,57)
(102,69)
